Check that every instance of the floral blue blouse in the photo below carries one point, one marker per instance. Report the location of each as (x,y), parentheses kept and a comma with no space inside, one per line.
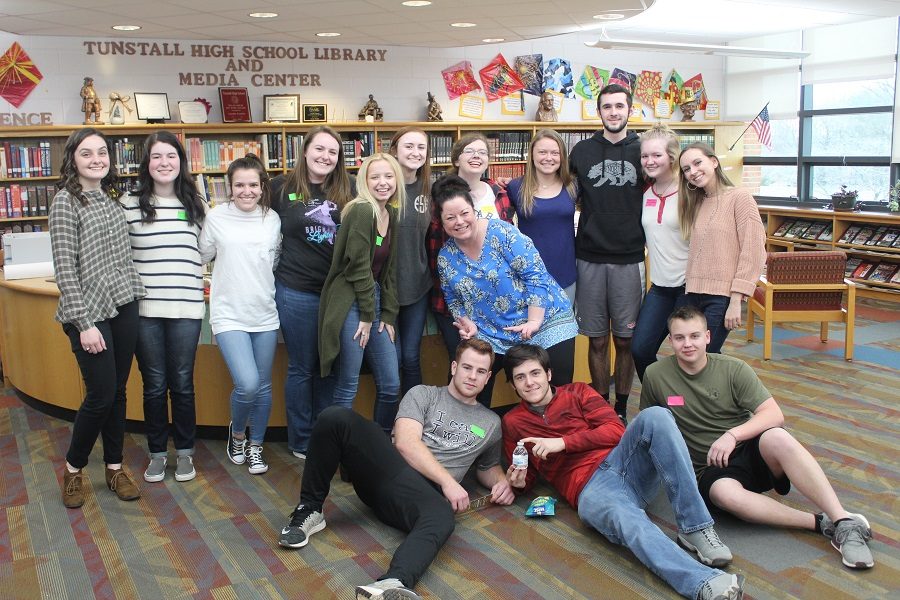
(496,290)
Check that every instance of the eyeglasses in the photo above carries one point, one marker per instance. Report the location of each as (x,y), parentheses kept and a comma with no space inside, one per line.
(471,152)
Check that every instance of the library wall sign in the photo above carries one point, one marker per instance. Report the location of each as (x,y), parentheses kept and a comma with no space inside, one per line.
(237,61)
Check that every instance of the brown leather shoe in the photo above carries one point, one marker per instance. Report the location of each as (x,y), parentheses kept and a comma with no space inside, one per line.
(73,489)
(122,484)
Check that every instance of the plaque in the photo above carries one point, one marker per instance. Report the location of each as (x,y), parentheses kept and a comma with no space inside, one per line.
(153,108)
(235,105)
(315,113)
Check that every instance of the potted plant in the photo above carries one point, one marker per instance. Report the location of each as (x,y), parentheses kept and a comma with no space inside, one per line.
(894,197)
(844,199)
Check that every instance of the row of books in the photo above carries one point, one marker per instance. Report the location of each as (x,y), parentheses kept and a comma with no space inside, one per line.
(216,155)
(509,145)
(868,270)
(511,171)
(213,188)
(883,236)
(127,156)
(22,228)
(25,160)
(804,230)
(440,145)
(17,201)
(686,139)
(573,137)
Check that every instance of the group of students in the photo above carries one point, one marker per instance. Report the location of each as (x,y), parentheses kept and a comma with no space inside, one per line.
(348,270)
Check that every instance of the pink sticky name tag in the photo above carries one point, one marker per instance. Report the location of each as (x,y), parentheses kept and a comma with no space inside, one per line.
(651,202)
(675,401)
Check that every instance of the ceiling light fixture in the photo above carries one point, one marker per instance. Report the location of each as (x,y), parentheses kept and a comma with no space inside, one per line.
(463,25)
(416,3)
(610,16)
(328,34)
(126,27)
(609,44)
(493,40)
(263,15)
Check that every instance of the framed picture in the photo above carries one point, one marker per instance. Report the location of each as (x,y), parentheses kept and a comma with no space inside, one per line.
(282,107)
(235,105)
(471,106)
(192,112)
(315,113)
(713,110)
(152,107)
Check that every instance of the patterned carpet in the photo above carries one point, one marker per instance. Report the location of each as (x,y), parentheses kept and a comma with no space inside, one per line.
(215,537)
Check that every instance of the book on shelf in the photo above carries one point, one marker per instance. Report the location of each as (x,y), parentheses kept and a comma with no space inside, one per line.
(24,161)
(784,228)
(879,233)
(884,272)
(440,145)
(815,230)
(126,156)
(851,265)
(863,270)
(213,188)
(849,234)
(797,229)
(895,278)
(889,237)
(292,149)
(896,243)
(501,170)
(826,234)
(864,235)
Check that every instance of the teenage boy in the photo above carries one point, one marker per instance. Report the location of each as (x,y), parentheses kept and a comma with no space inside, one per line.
(413,484)
(577,444)
(734,432)
(609,246)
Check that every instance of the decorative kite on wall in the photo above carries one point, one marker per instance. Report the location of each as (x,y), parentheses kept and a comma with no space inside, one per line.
(671,89)
(499,79)
(558,77)
(695,84)
(648,86)
(459,79)
(530,69)
(18,75)
(591,82)
(623,77)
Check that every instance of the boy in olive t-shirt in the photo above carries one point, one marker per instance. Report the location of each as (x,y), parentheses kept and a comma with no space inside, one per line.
(734,431)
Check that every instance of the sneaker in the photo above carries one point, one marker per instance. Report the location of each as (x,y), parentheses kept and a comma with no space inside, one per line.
(298,454)
(257,466)
(386,589)
(850,540)
(827,525)
(184,468)
(624,420)
(707,546)
(235,448)
(73,489)
(156,470)
(722,587)
(119,481)
(304,522)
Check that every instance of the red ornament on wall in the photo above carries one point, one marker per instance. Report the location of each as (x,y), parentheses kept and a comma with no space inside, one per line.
(18,75)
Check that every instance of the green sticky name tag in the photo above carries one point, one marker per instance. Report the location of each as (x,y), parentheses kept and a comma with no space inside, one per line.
(378,240)
(292,197)
(182,215)
(477,430)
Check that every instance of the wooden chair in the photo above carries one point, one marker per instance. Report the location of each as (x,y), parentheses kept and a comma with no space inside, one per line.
(803,287)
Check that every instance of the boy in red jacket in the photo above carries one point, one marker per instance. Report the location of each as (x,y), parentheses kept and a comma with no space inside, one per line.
(610,474)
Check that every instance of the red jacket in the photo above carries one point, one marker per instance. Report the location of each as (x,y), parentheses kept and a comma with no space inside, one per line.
(587,424)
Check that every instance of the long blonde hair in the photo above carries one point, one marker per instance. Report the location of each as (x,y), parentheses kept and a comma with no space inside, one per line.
(661,131)
(529,187)
(337,183)
(690,196)
(364,196)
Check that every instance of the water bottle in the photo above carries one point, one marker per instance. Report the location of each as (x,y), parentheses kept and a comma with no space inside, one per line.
(520,456)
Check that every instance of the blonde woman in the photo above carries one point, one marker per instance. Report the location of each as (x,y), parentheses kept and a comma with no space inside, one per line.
(727,241)
(359,299)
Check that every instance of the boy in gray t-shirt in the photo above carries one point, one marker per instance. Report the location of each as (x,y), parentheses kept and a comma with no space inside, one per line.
(412,485)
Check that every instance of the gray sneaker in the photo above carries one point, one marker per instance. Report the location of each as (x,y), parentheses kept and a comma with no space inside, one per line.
(156,470)
(849,539)
(707,546)
(184,469)
(304,522)
(722,587)
(827,525)
(385,589)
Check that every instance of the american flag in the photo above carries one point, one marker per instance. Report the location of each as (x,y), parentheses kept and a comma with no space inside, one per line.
(761,126)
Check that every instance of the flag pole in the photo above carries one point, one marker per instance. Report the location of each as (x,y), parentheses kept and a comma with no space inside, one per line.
(730,148)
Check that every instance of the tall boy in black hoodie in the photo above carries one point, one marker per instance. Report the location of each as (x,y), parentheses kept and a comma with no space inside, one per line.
(609,246)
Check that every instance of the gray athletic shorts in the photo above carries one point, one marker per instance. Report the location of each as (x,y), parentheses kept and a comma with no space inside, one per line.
(607,295)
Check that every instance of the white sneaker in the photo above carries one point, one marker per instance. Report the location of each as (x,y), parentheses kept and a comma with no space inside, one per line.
(386,589)
(235,448)
(255,462)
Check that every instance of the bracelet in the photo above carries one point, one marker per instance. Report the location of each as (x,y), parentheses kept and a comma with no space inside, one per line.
(732,435)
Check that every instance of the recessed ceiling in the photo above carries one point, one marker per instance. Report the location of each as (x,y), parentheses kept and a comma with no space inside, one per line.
(388,22)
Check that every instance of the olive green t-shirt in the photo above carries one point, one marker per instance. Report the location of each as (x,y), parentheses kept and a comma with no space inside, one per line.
(706,405)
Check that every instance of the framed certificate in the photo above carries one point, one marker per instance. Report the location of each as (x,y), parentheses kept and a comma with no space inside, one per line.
(192,112)
(315,113)
(152,107)
(235,105)
(282,107)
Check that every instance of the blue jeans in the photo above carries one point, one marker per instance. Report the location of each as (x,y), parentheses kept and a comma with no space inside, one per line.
(652,327)
(166,350)
(306,392)
(651,452)
(713,308)
(249,356)
(410,328)
(382,359)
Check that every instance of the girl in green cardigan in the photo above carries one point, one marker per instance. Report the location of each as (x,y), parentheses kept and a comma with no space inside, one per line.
(359,300)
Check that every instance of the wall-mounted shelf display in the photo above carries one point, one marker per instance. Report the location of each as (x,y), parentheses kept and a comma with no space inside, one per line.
(871,241)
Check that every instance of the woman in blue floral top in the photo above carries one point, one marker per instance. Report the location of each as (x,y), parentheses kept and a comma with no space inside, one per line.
(497,287)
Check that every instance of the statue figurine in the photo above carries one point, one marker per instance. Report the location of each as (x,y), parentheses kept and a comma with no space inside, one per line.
(434,109)
(546,111)
(688,105)
(90,103)
(371,109)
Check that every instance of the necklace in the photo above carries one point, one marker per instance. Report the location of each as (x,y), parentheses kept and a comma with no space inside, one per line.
(671,189)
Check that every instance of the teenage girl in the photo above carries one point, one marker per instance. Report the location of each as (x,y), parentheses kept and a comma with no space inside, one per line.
(243,237)
(164,216)
(98,293)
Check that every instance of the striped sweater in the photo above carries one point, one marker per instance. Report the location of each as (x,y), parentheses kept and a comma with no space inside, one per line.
(167,257)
